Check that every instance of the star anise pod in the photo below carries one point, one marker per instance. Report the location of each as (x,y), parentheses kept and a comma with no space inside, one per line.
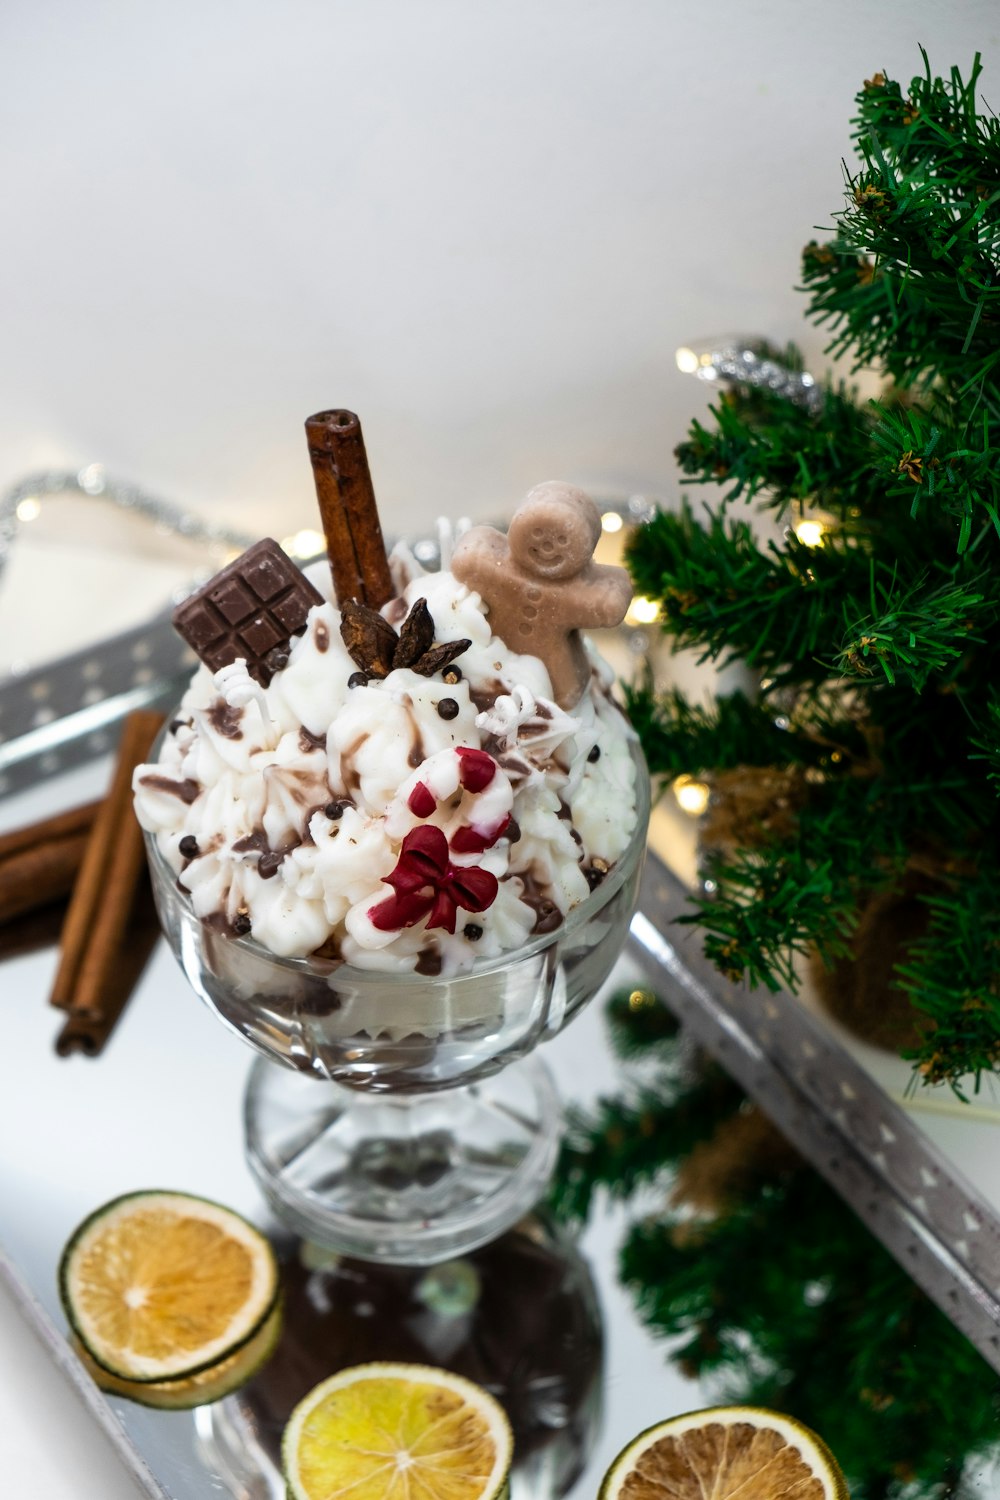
(377,649)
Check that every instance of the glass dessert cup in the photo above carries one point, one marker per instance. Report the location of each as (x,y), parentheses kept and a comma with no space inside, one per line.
(401,1116)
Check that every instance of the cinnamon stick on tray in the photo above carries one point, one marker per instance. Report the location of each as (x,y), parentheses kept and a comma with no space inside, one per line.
(347,509)
(96,933)
(88,1031)
(39,863)
(35,929)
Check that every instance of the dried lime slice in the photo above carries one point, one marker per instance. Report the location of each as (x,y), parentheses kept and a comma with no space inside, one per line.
(158,1286)
(397,1432)
(726,1452)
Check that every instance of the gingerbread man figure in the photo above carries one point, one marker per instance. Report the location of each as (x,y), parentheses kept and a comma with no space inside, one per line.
(541,585)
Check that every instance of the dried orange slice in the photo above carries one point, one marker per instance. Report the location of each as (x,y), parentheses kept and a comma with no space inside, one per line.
(158,1286)
(397,1432)
(728,1453)
(197,1390)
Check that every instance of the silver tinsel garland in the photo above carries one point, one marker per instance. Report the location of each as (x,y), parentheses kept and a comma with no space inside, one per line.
(170,519)
(749,362)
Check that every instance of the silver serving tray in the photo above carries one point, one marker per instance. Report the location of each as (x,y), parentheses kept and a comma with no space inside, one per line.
(162,1106)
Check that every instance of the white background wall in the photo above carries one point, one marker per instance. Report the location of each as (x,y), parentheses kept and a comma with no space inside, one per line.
(485,226)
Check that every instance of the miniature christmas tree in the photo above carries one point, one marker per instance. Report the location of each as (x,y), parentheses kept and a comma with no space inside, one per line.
(771,1291)
(863,777)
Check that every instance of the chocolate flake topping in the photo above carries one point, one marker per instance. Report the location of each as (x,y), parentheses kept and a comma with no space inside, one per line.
(377,649)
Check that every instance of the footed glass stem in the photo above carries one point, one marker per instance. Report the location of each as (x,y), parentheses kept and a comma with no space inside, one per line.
(407,1179)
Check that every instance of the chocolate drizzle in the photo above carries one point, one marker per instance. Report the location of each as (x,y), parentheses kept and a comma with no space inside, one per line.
(484,698)
(252,843)
(547,914)
(270,862)
(226,720)
(187,790)
(539,724)
(270,859)
(418,753)
(309,741)
(348,771)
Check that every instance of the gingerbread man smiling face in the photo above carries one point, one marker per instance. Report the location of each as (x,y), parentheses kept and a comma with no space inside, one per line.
(540,583)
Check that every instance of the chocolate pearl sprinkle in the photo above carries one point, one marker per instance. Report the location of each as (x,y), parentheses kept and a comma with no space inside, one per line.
(451,675)
(447,708)
(472,931)
(241,924)
(357,679)
(595,754)
(335,810)
(188,846)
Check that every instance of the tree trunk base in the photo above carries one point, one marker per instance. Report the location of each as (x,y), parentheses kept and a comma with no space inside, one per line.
(862,991)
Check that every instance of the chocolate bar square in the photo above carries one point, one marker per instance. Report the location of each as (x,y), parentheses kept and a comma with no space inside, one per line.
(234,600)
(251,610)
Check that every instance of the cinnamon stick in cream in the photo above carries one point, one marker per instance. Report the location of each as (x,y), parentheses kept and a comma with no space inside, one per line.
(347,509)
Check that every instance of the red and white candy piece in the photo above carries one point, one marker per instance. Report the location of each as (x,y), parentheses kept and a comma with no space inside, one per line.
(480,816)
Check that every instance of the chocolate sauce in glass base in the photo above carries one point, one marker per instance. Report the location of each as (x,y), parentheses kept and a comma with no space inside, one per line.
(518,1316)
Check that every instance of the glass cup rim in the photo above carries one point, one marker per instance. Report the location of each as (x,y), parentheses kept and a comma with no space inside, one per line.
(575,919)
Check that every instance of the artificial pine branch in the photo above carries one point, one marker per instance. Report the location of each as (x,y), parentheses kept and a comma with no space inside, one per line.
(878,650)
(913,633)
(679,737)
(762,445)
(778,609)
(953,976)
(624,1143)
(924,206)
(772,905)
(768,1287)
(940,466)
